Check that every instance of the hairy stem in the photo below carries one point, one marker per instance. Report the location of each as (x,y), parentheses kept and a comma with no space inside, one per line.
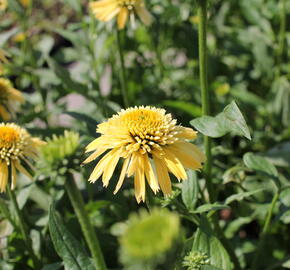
(86,226)
(21,226)
(123,70)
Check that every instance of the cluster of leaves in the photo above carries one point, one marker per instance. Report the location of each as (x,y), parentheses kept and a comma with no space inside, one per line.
(67,66)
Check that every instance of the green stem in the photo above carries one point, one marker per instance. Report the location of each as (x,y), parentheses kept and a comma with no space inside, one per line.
(265,231)
(87,228)
(202,48)
(22,228)
(282,35)
(123,70)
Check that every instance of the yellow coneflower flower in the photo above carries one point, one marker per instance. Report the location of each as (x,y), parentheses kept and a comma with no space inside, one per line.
(10,99)
(17,148)
(20,37)
(140,135)
(3,4)
(105,10)
(25,3)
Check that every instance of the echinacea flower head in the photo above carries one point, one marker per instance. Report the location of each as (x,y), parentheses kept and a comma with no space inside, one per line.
(151,145)
(105,10)
(17,150)
(10,99)
(3,4)
(149,235)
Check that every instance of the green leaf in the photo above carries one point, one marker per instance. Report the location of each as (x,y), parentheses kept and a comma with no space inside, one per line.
(75,4)
(230,120)
(65,77)
(66,245)
(260,164)
(205,241)
(210,207)
(235,120)
(187,107)
(279,154)
(53,266)
(242,195)
(189,190)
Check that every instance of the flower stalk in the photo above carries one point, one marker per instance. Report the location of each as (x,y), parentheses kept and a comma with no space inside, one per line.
(22,228)
(86,226)
(124,88)
(202,49)
(265,231)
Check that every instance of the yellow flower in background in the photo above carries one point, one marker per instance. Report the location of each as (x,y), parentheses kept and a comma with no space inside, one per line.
(151,144)
(3,4)
(19,37)
(10,99)
(3,59)
(17,148)
(105,10)
(25,3)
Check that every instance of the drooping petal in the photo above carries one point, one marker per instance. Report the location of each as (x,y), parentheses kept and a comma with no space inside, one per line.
(94,155)
(162,175)
(122,17)
(3,176)
(143,13)
(150,175)
(139,180)
(186,133)
(109,169)
(99,169)
(122,175)
(20,168)
(174,165)
(13,171)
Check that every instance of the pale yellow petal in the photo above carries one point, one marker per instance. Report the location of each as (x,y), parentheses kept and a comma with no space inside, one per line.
(13,171)
(109,169)
(132,165)
(174,165)
(122,17)
(150,175)
(94,155)
(186,133)
(4,114)
(99,169)
(3,176)
(20,168)
(162,175)
(94,144)
(143,13)
(122,175)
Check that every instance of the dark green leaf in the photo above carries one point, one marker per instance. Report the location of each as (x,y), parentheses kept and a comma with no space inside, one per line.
(241,196)
(210,207)
(54,266)
(205,241)
(189,190)
(66,245)
(260,164)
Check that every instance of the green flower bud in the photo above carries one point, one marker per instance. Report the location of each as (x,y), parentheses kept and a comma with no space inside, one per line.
(195,260)
(149,235)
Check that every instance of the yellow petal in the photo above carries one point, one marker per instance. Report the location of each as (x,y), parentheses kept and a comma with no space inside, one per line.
(174,165)
(3,176)
(150,175)
(122,175)
(94,144)
(13,170)
(97,172)
(162,175)
(94,155)
(186,133)
(4,113)
(132,165)
(143,13)
(20,168)
(122,17)
(109,169)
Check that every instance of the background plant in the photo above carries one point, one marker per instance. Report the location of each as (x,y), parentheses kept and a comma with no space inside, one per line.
(66,64)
